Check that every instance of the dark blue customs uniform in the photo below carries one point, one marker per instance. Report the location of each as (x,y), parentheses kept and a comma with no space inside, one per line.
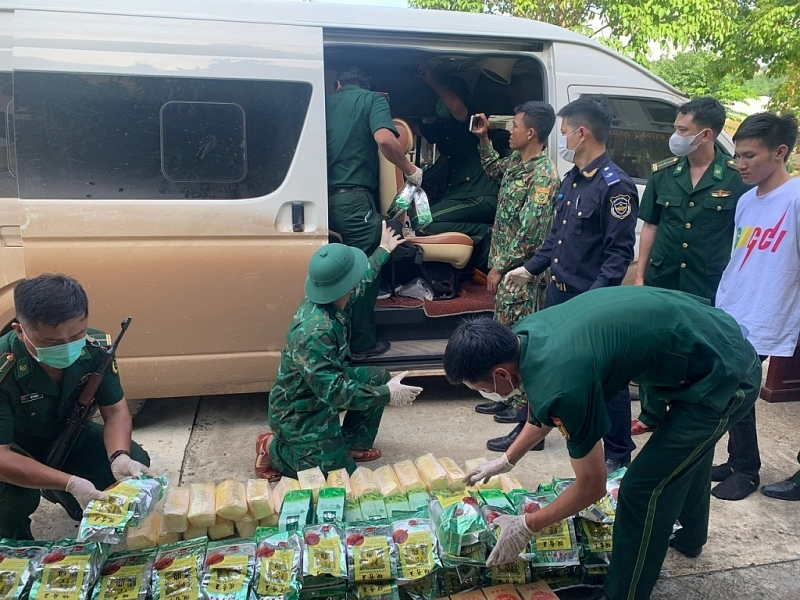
(591,246)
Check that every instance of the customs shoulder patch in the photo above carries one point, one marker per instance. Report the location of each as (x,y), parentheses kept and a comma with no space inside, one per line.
(114,367)
(621,206)
(541,196)
(560,426)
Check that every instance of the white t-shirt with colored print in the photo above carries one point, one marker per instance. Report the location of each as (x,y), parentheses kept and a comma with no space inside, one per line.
(760,287)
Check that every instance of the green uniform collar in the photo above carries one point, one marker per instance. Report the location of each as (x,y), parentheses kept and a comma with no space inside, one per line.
(714,172)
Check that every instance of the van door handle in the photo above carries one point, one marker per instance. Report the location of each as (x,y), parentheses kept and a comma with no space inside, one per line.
(11,236)
(298,217)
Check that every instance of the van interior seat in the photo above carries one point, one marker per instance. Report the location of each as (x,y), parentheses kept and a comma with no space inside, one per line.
(452,248)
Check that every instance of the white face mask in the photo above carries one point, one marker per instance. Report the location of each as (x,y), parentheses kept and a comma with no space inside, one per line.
(494,396)
(567,155)
(682,145)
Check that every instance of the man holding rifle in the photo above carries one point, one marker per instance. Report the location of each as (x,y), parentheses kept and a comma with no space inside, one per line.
(45,364)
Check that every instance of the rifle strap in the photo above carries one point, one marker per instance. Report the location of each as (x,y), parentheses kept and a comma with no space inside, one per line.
(18,449)
(7,360)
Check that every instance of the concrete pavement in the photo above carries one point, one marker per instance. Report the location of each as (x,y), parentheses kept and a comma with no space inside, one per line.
(753,548)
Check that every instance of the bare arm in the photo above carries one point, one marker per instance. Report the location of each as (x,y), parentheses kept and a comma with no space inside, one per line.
(589,487)
(646,239)
(390,147)
(454,104)
(527,439)
(118,427)
(26,472)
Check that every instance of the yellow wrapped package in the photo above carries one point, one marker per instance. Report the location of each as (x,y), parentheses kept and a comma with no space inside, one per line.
(340,479)
(246,526)
(363,481)
(145,535)
(473,463)
(176,509)
(311,479)
(492,484)
(221,529)
(202,505)
(408,476)
(387,481)
(286,484)
(165,537)
(455,476)
(195,532)
(231,499)
(509,482)
(431,472)
(259,498)
(270,521)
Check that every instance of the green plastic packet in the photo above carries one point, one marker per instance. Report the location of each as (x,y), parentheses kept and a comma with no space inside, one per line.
(374,591)
(554,546)
(19,560)
(324,556)
(426,588)
(460,528)
(459,579)
(125,576)
(558,578)
(176,572)
(129,502)
(515,573)
(417,548)
(331,505)
(371,553)
(278,564)
(597,542)
(337,591)
(228,570)
(68,571)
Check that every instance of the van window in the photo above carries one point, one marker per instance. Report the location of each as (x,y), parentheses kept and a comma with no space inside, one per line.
(8,182)
(105,136)
(640,134)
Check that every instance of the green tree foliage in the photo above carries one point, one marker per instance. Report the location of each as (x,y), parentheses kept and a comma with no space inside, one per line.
(698,74)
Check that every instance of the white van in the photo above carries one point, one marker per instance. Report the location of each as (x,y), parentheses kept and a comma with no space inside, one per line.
(154,150)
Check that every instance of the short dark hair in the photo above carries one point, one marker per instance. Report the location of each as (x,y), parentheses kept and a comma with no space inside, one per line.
(476,347)
(706,112)
(353,75)
(591,111)
(771,129)
(539,116)
(50,299)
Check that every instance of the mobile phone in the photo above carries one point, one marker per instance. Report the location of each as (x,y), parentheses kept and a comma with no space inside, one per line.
(473,120)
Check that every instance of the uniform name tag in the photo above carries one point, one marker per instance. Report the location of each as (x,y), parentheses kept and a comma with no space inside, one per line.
(30,397)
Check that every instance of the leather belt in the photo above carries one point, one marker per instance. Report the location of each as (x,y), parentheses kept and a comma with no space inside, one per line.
(344,190)
(563,287)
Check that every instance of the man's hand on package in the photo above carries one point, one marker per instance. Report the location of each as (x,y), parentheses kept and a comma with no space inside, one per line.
(124,466)
(514,538)
(488,469)
(390,239)
(401,394)
(415,177)
(518,278)
(84,491)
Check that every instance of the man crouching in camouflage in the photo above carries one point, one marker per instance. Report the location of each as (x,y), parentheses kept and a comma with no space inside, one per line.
(315,382)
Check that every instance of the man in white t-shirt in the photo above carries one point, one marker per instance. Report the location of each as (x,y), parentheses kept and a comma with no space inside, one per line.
(760,287)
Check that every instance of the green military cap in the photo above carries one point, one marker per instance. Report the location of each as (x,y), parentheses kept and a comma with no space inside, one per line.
(333,271)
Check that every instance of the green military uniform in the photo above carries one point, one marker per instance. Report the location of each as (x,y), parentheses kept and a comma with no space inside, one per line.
(695,224)
(695,228)
(574,357)
(33,409)
(469,201)
(315,383)
(353,115)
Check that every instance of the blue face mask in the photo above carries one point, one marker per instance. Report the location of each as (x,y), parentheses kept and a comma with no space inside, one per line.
(61,356)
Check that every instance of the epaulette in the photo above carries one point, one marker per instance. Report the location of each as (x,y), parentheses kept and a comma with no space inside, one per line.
(667,162)
(99,338)
(6,364)
(731,164)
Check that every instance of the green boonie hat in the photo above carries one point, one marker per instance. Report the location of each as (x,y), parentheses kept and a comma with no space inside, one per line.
(333,271)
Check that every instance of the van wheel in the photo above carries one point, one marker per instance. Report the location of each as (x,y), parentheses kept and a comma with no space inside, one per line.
(133,405)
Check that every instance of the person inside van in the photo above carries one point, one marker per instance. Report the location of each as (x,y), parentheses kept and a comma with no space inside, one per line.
(469,199)
(358,124)
(315,383)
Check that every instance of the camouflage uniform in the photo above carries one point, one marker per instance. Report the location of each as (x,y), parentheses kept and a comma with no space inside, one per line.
(528,192)
(315,383)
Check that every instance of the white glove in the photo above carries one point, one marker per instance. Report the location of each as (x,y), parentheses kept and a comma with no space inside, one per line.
(124,466)
(514,538)
(517,278)
(416,177)
(84,491)
(401,394)
(488,469)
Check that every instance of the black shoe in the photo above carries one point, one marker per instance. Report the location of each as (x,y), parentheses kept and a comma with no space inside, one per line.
(783,490)
(736,487)
(687,551)
(490,408)
(385,291)
(613,465)
(509,415)
(380,347)
(503,443)
(721,472)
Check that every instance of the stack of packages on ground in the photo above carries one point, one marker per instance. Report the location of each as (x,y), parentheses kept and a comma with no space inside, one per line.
(409,531)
